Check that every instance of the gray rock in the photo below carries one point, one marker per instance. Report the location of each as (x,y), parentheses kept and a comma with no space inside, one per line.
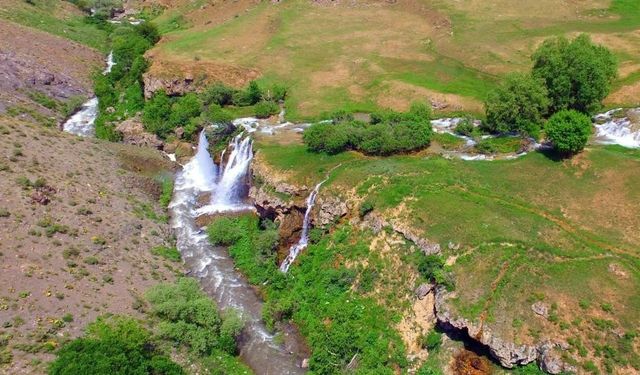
(423,290)
(329,209)
(541,309)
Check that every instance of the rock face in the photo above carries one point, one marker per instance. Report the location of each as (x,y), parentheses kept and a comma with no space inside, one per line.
(170,85)
(133,133)
(376,222)
(328,210)
(508,354)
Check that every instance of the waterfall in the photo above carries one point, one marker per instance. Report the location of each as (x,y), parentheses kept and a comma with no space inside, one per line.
(201,172)
(231,187)
(215,269)
(82,122)
(110,64)
(304,238)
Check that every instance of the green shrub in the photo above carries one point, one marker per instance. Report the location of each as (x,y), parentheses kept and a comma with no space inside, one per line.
(465,127)
(156,114)
(365,208)
(189,317)
(577,74)
(116,345)
(266,109)
(431,341)
(569,131)
(388,133)
(218,94)
(225,231)
(184,109)
(518,105)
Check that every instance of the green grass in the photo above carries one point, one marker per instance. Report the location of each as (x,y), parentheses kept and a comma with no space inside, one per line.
(170,253)
(45,15)
(528,228)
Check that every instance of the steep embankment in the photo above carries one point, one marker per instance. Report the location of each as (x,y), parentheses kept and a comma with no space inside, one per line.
(542,253)
(79,220)
(43,76)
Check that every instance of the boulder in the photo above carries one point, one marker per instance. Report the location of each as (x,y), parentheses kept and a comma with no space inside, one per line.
(423,290)
(541,309)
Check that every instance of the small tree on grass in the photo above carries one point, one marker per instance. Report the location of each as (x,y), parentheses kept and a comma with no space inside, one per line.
(517,106)
(569,131)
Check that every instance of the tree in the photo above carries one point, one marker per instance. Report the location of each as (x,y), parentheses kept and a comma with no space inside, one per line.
(569,131)
(518,105)
(577,74)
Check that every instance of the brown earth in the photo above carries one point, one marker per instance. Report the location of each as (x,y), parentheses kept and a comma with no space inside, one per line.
(34,61)
(84,253)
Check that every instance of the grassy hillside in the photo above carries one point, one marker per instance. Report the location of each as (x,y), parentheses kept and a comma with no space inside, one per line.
(529,230)
(359,55)
(56,17)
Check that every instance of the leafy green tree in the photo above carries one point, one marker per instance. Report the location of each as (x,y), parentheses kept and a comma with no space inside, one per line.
(219,94)
(569,131)
(577,74)
(518,105)
(254,93)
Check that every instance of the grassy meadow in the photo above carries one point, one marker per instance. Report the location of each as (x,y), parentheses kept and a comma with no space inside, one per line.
(370,54)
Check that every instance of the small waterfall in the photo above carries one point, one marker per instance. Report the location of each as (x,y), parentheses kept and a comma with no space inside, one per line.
(230,190)
(215,269)
(82,122)
(110,64)
(304,238)
(201,172)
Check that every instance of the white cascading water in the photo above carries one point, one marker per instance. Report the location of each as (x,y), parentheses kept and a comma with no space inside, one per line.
(215,269)
(230,189)
(618,131)
(304,237)
(82,122)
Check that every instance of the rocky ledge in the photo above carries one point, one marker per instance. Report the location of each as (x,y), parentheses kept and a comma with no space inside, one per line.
(547,354)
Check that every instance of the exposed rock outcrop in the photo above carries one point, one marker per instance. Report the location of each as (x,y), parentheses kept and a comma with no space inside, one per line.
(376,222)
(170,85)
(507,353)
(329,209)
(133,133)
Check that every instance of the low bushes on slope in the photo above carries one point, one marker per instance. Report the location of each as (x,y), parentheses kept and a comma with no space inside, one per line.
(182,317)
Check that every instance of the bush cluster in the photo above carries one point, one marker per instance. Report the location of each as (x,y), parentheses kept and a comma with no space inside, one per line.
(163,114)
(387,133)
(569,131)
(181,316)
(116,345)
(120,92)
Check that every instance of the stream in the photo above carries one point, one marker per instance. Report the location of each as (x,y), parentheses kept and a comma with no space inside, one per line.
(212,265)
